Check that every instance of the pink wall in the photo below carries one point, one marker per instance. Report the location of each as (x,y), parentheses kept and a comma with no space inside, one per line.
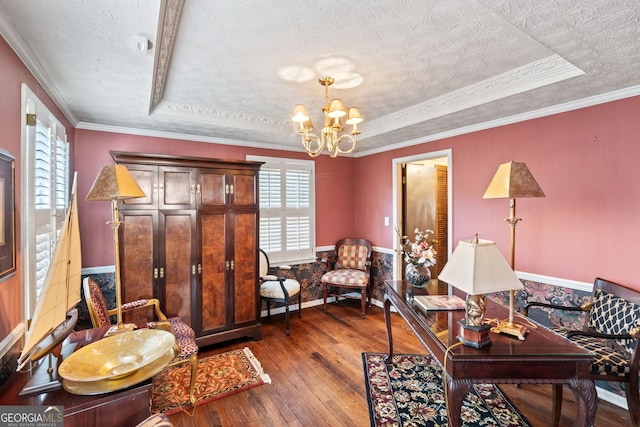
(12,74)
(334,185)
(586,161)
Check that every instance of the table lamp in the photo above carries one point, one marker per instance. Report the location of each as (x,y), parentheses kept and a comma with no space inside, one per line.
(114,183)
(512,181)
(477,267)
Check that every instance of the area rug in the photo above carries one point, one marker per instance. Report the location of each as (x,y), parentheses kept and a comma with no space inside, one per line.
(218,376)
(409,392)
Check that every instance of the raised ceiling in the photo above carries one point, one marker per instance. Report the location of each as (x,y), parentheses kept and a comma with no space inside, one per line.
(230,71)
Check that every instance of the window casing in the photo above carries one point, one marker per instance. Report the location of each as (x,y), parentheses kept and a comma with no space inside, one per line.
(287,209)
(45,192)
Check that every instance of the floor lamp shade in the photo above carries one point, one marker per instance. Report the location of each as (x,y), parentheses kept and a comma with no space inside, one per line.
(114,182)
(513,180)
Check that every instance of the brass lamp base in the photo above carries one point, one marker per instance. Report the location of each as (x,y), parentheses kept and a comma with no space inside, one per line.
(474,336)
(509,328)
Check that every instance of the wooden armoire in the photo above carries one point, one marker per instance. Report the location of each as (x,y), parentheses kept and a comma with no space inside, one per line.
(192,242)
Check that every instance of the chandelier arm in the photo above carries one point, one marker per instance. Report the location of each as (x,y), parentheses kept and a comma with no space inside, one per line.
(308,139)
(353,139)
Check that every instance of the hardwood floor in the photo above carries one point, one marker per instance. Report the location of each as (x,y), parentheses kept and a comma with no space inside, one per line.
(317,375)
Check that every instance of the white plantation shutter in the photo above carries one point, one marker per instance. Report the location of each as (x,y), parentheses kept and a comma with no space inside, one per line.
(287,209)
(46,162)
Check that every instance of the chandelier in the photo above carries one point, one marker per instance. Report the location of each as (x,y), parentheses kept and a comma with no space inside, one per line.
(330,133)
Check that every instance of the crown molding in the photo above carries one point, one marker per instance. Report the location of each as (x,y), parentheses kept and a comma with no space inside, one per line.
(535,114)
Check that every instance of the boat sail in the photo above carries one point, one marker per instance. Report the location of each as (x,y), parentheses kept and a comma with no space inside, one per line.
(54,317)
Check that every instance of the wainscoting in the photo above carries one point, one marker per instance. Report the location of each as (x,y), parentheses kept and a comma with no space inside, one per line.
(537,288)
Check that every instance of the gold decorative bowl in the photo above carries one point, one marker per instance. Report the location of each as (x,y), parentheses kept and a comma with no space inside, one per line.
(110,385)
(117,356)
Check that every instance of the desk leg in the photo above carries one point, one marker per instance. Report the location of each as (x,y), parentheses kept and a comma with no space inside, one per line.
(456,391)
(587,400)
(387,318)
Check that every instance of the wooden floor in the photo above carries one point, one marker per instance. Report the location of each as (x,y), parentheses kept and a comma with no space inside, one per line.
(317,375)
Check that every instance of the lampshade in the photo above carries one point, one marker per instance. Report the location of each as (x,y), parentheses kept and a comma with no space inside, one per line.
(478,267)
(114,182)
(354,116)
(513,181)
(336,109)
(308,125)
(300,114)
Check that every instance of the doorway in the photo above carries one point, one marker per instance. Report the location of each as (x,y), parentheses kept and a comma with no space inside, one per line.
(422,200)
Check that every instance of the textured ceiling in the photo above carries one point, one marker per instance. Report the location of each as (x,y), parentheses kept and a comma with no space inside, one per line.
(231,71)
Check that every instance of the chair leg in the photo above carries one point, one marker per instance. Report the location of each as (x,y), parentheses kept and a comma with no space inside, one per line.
(633,401)
(268,309)
(324,296)
(363,301)
(556,408)
(192,383)
(286,315)
(300,305)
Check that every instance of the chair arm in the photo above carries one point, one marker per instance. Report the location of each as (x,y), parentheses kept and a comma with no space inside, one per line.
(594,334)
(142,303)
(583,307)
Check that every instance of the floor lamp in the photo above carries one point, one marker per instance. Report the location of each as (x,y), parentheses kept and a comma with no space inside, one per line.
(512,181)
(114,183)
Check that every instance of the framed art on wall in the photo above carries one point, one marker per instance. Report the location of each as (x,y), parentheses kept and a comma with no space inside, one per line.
(7,214)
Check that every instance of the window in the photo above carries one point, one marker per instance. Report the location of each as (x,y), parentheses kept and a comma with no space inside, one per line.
(287,209)
(45,192)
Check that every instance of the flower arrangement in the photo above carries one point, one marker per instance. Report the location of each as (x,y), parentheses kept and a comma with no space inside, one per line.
(418,252)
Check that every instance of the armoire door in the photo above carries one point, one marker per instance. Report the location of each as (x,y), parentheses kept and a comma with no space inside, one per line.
(138,258)
(177,267)
(213,267)
(244,277)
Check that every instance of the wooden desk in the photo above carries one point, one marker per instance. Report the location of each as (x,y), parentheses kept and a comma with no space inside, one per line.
(123,408)
(542,358)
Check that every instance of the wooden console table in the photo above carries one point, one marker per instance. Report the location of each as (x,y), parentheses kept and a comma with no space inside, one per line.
(542,358)
(124,408)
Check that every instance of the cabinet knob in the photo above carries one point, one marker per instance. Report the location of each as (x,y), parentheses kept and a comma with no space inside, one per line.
(193,188)
(198,189)
(231,189)
(232,265)
(162,272)
(155,273)
(199,268)
(193,269)
(226,189)
(226,264)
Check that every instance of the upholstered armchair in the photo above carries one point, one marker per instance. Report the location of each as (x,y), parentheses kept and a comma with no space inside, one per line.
(278,288)
(185,336)
(611,331)
(349,270)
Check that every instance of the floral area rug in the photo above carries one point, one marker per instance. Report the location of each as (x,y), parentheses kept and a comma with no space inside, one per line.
(409,392)
(218,376)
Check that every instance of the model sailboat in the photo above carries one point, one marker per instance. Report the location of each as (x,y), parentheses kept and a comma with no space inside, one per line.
(55,316)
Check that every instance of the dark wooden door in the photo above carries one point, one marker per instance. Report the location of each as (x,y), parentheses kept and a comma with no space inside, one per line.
(138,258)
(245,248)
(213,292)
(177,263)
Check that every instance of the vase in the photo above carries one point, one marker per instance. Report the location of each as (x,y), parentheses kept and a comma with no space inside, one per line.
(418,275)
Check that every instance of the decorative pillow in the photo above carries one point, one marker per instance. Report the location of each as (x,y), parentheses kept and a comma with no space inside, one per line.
(611,314)
(352,256)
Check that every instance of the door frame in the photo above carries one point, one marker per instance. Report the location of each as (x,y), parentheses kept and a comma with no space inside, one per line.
(397,202)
